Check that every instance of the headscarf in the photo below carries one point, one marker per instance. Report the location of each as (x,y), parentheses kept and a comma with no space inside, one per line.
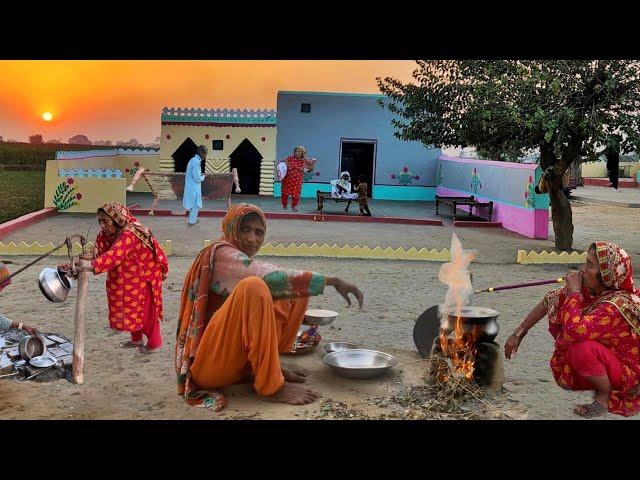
(232,220)
(4,274)
(346,184)
(122,216)
(197,306)
(617,276)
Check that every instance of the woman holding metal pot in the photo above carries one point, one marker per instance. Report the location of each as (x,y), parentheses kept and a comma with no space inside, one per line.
(136,266)
(5,323)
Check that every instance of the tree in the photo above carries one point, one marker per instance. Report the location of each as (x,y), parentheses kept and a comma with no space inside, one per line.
(566,110)
(132,142)
(79,140)
(36,139)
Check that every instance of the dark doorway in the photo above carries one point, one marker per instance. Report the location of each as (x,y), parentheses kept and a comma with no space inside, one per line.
(246,158)
(358,158)
(183,154)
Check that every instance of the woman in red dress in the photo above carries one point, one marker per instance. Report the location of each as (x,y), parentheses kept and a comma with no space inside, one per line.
(292,182)
(136,266)
(595,321)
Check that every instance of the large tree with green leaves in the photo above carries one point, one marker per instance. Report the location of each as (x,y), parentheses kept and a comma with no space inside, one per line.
(567,110)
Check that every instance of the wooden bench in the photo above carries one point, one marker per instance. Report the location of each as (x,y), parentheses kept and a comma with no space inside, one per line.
(321,196)
(470,201)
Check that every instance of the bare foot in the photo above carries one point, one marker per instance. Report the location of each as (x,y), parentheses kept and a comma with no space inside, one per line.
(293,395)
(131,344)
(294,376)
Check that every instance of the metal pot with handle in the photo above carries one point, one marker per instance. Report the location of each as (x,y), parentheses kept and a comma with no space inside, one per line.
(54,284)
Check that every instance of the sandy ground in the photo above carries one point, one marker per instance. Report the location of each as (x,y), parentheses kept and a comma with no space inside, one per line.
(123,384)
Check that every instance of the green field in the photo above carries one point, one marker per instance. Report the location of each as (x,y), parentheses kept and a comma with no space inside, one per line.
(27,156)
(20,193)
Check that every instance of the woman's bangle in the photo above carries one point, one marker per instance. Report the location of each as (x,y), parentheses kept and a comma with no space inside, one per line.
(519,332)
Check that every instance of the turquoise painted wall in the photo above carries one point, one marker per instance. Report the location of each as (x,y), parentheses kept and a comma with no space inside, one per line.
(391,192)
(380,192)
(308,189)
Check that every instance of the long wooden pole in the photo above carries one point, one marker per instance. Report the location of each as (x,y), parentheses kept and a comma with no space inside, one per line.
(520,285)
(78,333)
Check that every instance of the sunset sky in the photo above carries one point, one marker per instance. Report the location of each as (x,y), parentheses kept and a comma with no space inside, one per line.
(119,100)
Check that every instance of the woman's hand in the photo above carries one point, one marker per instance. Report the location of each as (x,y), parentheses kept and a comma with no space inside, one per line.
(574,281)
(30,330)
(511,346)
(346,288)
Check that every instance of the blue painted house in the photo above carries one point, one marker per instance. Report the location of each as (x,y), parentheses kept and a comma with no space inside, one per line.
(346,131)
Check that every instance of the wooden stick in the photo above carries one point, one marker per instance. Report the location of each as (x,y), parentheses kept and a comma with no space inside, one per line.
(78,333)
(36,260)
(236,179)
(520,285)
(135,179)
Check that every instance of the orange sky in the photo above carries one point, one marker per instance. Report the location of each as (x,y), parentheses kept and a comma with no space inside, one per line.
(118,100)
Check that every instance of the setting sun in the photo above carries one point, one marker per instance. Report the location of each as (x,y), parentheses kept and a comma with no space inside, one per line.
(47,117)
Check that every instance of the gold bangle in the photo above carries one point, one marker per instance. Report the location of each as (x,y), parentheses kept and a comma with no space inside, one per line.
(519,332)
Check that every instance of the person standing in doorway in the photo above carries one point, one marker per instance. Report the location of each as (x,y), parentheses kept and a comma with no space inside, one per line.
(193,178)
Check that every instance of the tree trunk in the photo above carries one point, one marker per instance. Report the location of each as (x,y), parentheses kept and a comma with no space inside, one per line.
(561,215)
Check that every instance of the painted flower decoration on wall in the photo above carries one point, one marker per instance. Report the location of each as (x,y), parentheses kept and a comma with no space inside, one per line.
(227,137)
(476,183)
(406,177)
(168,137)
(529,193)
(66,195)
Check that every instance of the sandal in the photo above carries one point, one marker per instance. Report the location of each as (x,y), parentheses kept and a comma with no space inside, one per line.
(130,344)
(590,411)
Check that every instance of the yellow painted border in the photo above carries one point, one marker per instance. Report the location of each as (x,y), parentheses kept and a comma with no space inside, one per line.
(35,248)
(347,251)
(550,257)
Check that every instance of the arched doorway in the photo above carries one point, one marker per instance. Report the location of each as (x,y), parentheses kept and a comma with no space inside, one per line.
(246,158)
(183,154)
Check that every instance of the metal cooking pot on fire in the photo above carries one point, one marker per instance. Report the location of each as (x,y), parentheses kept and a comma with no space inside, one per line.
(481,320)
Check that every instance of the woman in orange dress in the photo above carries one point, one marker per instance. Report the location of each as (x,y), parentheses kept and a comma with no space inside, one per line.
(136,266)
(237,314)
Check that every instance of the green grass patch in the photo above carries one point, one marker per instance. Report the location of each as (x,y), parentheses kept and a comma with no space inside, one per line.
(20,193)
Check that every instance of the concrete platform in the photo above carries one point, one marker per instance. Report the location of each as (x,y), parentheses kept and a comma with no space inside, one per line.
(625,197)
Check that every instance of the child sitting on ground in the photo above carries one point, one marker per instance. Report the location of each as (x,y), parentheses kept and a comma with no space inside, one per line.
(362,191)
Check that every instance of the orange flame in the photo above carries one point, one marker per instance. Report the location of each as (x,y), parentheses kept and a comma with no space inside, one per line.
(461,349)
